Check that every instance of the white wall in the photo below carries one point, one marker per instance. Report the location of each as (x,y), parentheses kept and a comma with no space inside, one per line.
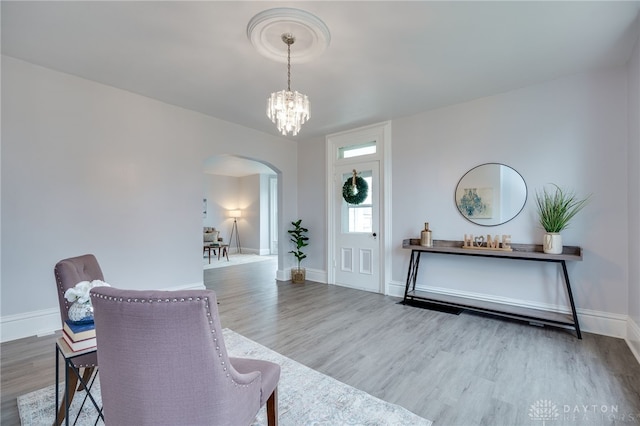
(263,245)
(633,332)
(90,168)
(249,223)
(221,193)
(312,205)
(571,131)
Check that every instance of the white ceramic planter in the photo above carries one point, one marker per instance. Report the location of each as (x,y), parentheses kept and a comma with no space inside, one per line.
(552,243)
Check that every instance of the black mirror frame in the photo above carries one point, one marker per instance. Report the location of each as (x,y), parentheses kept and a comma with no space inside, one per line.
(526,195)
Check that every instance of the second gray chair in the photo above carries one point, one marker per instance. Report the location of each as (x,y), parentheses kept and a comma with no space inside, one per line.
(163,361)
(68,273)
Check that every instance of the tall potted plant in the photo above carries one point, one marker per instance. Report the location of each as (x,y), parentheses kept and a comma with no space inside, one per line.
(299,239)
(555,211)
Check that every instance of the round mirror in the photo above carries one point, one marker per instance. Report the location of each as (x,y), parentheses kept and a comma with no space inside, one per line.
(491,194)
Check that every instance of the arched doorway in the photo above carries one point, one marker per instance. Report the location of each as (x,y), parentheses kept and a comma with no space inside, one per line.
(248,189)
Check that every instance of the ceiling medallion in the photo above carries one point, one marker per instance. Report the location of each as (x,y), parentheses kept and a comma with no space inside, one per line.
(265,32)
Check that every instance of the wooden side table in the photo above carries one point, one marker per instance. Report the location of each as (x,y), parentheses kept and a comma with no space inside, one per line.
(207,249)
(222,249)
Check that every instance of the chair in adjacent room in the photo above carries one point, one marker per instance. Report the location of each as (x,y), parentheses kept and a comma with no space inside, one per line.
(163,361)
(68,273)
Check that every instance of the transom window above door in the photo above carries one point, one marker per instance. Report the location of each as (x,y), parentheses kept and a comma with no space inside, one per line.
(359,150)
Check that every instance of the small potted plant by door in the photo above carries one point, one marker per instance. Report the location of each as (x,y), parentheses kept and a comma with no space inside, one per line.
(555,210)
(299,239)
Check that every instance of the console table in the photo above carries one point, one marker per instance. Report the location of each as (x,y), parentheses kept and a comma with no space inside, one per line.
(520,252)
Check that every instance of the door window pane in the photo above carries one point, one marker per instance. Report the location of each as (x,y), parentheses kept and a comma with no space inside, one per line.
(358,218)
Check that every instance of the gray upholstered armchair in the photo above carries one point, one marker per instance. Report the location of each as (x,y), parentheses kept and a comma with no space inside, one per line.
(68,273)
(163,361)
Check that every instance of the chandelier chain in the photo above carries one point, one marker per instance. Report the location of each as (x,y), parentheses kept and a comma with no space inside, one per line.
(289,42)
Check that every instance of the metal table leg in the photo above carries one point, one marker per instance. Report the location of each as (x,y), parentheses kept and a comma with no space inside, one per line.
(67,403)
(55,415)
(573,305)
(412,273)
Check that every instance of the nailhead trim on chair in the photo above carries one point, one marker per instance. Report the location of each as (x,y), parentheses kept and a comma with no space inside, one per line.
(60,289)
(190,299)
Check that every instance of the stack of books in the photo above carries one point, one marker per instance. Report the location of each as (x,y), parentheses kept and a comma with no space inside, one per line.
(79,336)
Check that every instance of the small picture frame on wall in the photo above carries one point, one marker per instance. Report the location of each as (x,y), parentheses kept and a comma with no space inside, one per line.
(204,207)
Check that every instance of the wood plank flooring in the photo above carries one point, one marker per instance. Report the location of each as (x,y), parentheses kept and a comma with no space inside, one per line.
(465,369)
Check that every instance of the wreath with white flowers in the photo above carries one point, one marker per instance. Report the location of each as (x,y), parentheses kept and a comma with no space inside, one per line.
(355,189)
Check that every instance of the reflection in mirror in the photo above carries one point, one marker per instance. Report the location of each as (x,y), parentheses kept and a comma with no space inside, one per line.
(491,194)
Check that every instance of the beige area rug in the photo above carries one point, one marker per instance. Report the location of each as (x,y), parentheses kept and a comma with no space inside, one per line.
(234,259)
(305,397)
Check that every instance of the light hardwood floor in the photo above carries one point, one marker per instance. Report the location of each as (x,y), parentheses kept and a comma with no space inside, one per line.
(462,369)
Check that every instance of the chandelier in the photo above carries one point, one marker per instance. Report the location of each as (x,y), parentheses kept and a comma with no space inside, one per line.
(288,110)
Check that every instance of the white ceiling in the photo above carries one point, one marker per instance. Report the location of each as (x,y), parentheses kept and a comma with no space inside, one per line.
(385,59)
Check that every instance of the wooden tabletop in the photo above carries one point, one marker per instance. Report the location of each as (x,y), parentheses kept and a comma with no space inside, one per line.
(519,251)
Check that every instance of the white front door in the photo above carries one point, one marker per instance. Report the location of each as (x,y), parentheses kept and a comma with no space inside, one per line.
(356,230)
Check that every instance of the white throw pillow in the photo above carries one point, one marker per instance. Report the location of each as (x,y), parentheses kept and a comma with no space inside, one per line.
(211,237)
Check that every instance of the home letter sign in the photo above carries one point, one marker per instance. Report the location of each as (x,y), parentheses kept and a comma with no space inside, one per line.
(492,242)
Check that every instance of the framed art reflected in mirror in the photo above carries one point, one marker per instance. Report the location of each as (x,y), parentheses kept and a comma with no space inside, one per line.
(491,194)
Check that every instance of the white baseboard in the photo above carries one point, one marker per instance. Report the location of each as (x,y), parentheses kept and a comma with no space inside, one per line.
(597,322)
(283,274)
(36,323)
(317,275)
(633,338)
(395,289)
(47,321)
(247,250)
(194,286)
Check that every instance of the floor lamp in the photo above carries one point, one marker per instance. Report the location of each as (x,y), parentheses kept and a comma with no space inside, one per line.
(235,214)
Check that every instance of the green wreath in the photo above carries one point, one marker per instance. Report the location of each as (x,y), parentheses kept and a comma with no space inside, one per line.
(361,190)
